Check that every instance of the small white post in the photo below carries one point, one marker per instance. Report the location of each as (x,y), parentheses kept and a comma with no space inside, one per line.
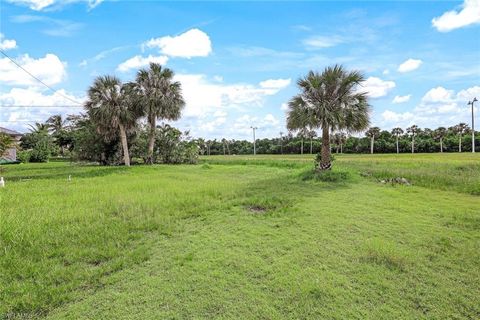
(2,182)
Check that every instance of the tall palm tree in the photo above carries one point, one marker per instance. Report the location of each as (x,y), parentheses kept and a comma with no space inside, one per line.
(397,132)
(161,99)
(372,133)
(331,101)
(110,107)
(460,129)
(413,130)
(439,134)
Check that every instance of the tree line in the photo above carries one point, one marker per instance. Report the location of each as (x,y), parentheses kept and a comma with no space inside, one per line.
(383,141)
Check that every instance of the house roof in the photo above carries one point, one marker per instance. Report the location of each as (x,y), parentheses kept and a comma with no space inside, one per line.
(10,132)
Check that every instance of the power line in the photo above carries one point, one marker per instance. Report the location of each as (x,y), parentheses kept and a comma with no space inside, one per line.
(34,77)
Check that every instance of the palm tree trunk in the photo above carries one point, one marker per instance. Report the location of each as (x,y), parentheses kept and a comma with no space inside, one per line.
(302,147)
(441,145)
(151,139)
(341,148)
(398,151)
(325,163)
(372,141)
(413,144)
(460,144)
(123,138)
(311,145)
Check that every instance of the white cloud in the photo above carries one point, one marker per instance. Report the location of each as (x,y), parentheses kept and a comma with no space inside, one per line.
(401,99)
(39,5)
(203,97)
(284,107)
(7,44)
(49,69)
(376,87)
(275,83)
(451,20)
(392,116)
(16,114)
(318,42)
(438,107)
(409,65)
(438,94)
(193,43)
(35,96)
(140,62)
(385,72)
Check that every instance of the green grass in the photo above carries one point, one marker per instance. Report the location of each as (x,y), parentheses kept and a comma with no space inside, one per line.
(240,237)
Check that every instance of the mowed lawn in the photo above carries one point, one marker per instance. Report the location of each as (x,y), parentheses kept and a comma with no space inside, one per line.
(242,237)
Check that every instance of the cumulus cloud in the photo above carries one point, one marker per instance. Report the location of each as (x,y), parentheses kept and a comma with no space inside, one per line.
(401,99)
(409,65)
(7,44)
(468,14)
(438,107)
(193,43)
(376,87)
(140,62)
(15,103)
(39,5)
(203,96)
(50,69)
(319,42)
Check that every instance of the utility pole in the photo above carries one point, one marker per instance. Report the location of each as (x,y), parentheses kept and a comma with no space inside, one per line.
(281,142)
(254,147)
(473,123)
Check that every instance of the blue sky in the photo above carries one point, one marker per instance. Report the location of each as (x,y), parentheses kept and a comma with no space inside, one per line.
(239,61)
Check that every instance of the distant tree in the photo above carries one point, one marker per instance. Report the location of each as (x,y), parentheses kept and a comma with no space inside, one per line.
(440,133)
(161,99)
(413,131)
(397,132)
(372,133)
(331,101)
(311,134)
(460,129)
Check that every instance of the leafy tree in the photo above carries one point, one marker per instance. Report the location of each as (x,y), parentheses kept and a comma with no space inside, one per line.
(397,132)
(5,143)
(111,106)
(161,99)
(372,133)
(413,130)
(330,101)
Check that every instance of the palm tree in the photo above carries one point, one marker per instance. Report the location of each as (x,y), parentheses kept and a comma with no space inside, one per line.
(161,99)
(460,129)
(372,133)
(56,125)
(397,132)
(110,106)
(330,101)
(311,134)
(439,134)
(39,128)
(413,130)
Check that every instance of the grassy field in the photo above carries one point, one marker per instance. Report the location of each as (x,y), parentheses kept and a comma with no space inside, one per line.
(242,237)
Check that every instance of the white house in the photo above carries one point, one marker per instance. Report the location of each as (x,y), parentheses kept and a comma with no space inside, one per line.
(11,154)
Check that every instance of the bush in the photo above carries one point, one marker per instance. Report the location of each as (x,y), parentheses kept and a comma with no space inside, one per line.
(24,156)
(326,176)
(41,152)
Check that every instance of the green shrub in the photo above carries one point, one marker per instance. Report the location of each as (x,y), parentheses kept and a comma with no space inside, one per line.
(24,156)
